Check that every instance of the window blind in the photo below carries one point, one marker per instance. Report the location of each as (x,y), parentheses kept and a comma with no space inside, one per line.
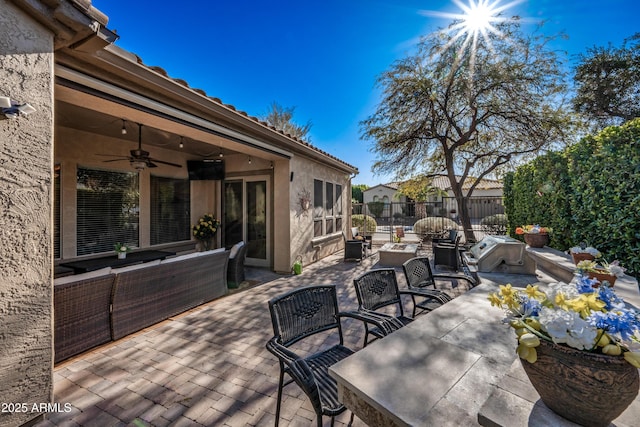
(108,210)
(170,210)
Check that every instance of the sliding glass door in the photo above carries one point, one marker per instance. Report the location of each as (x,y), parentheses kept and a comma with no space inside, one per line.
(247,217)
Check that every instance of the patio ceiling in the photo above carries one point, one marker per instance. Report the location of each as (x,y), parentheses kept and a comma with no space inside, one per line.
(91,121)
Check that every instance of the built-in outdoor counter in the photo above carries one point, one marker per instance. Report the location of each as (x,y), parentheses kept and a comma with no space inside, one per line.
(453,366)
(559,266)
(438,370)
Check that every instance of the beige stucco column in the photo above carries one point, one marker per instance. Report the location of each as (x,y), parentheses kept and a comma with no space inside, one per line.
(26,146)
(281,212)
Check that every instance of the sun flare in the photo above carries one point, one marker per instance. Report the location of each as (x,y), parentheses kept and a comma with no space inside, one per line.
(478,17)
(476,20)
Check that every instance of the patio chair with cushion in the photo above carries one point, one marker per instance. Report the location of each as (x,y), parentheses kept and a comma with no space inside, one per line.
(451,237)
(297,315)
(419,277)
(447,254)
(354,249)
(377,289)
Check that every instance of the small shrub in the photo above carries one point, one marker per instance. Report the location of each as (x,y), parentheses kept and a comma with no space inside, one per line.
(398,215)
(360,220)
(433,225)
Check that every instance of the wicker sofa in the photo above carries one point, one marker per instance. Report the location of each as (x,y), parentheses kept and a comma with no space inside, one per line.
(94,308)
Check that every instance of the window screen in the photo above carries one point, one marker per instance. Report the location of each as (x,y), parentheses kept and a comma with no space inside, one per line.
(108,209)
(170,203)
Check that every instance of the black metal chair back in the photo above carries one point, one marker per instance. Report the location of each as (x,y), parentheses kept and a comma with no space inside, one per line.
(376,289)
(304,312)
(418,273)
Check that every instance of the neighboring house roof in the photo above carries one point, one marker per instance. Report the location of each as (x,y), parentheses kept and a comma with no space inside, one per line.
(391,186)
(442,182)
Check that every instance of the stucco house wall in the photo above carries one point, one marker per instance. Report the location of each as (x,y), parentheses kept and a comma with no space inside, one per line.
(303,242)
(379,192)
(26,73)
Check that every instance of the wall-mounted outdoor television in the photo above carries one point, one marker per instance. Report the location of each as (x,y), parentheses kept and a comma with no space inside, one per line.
(205,169)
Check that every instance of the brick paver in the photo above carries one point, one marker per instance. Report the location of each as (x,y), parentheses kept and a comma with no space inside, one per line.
(206,367)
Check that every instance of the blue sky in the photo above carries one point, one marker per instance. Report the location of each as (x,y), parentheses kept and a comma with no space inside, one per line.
(323,57)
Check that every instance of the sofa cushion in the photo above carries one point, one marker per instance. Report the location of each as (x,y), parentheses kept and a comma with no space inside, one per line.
(235,249)
(82,276)
(191,255)
(136,266)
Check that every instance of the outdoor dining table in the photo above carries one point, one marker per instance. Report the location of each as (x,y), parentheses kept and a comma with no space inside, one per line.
(92,264)
(445,368)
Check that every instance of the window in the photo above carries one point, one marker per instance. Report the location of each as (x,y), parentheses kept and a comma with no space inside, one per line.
(338,207)
(329,202)
(327,208)
(318,208)
(170,217)
(108,210)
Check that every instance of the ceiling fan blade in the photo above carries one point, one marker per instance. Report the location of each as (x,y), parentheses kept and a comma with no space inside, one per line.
(113,155)
(150,164)
(117,160)
(165,163)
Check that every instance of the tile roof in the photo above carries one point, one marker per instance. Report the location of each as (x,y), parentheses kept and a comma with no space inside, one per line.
(442,182)
(182,82)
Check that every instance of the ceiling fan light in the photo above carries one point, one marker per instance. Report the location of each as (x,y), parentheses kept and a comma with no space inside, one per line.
(26,109)
(5,102)
(138,165)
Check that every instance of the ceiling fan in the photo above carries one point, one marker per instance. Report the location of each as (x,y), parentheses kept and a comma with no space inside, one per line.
(139,158)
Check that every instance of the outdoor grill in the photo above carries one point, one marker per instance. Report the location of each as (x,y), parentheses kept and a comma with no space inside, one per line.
(501,254)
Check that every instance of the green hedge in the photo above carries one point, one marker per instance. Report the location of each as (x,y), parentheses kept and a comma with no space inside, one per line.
(586,193)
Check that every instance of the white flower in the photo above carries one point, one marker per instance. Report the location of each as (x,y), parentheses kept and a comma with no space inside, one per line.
(588,250)
(567,327)
(616,269)
(568,290)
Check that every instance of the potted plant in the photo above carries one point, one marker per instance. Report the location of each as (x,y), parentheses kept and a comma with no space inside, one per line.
(583,252)
(205,230)
(121,250)
(578,344)
(603,272)
(535,236)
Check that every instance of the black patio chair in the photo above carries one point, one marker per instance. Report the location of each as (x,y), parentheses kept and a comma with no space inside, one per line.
(451,237)
(447,254)
(419,276)
(377,289)
(295,316)
(354,249)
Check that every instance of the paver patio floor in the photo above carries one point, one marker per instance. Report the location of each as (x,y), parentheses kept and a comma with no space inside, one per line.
(208,366)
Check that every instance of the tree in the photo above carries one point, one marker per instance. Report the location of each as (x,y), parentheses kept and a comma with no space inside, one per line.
(419,189)
(464,109)
(607,81)
(357,190)
(282,119)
